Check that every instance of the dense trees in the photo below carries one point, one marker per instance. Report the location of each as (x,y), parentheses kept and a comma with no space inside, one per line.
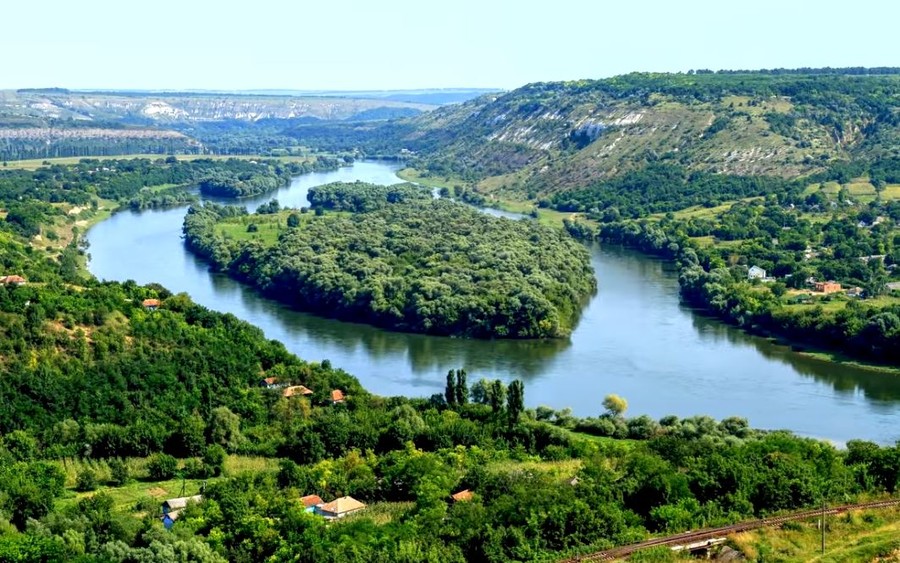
(435,267)
(796,232)
(244,178)
(360,197)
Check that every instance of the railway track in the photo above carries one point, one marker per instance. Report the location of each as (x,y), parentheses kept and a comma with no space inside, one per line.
(698,536)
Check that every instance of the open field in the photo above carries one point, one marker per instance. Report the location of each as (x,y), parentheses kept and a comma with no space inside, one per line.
(854,536)
(140,495)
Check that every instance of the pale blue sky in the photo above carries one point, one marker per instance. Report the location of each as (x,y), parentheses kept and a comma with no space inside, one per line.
(393,44)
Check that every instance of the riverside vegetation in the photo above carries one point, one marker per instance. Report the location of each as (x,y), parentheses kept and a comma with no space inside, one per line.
(395,258)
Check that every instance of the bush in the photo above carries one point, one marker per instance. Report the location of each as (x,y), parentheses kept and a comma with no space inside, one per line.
(86,481)
(162,467)
(214,459)
(118,471)
(195,469)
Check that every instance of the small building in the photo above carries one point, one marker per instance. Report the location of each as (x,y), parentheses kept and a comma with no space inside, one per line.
(176,504)
(310,502)
(464,495)
(828,287)
(168,519)
(756,273)
(12,280)
(855,292)
(340,508)
(151,304)
(893,286)
(296,390)
(337,396)
(271,383)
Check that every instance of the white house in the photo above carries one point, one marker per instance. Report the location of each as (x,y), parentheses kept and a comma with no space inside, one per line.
(756,273)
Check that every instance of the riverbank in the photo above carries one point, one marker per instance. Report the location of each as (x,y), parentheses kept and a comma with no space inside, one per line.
(548,217)
(636,310)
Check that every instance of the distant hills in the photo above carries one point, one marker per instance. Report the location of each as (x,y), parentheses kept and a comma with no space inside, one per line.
(552,136)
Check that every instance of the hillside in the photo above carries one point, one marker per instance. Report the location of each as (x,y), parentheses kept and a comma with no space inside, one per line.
(38,106)
(54,122)
(551,136)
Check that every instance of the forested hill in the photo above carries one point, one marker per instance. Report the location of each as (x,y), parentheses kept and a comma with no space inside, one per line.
(557,135)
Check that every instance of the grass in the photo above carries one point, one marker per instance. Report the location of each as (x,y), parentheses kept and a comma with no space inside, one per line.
(564,469)
(380,512)
(136,496)
(855,536)
(269,226)
(413,175)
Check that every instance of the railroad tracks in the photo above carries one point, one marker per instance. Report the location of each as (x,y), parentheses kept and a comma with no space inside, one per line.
(708,534)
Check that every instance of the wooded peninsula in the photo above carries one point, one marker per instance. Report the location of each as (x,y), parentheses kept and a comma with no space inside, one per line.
(399,260)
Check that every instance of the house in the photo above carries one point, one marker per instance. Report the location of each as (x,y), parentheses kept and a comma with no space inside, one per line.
(756,273)
(175,504)
(310,502)
(855,292)
(271,383)
(464,495)
(12,280)
(151,304)
(828,287)
(893,286)
(296,390)
(337,396)
(339,508)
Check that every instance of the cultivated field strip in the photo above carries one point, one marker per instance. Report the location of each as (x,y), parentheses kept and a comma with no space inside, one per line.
(712,533)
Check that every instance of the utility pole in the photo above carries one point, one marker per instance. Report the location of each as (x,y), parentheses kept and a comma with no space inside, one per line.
(823,527)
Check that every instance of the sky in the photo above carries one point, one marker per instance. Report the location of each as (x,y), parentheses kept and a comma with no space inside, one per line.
(401,44)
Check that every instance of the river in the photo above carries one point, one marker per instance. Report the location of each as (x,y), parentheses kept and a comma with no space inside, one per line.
(634,339)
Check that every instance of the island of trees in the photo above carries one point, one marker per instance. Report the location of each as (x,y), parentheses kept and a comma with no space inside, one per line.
(404,262)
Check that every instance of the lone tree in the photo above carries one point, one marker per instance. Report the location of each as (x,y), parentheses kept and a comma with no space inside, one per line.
(462,389)
(450,392)
(615,405)
(515,400)
(293,221)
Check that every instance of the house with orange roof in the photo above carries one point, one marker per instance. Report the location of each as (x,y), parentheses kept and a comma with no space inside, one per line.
(296,390)
(340,508)
(12,280)
(337,396)
(310,502)
(151,304)
(464,495)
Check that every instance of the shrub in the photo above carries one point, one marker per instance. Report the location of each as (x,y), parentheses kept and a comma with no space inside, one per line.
(118,470)
(86,481)
(162,467)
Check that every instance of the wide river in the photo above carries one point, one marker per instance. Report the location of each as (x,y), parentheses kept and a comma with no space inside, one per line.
(634,339)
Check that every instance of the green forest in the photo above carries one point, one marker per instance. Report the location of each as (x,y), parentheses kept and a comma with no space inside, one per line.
(401,261)
(246,178)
